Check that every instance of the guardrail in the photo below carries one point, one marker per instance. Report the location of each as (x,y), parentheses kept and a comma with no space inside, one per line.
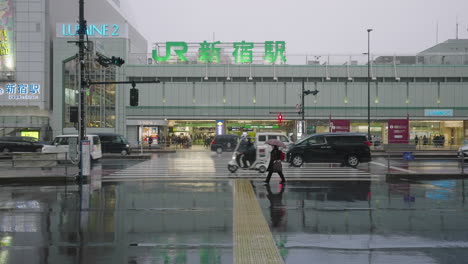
(408,157)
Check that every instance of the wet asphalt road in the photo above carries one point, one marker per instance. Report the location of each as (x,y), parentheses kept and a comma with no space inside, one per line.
(177,208)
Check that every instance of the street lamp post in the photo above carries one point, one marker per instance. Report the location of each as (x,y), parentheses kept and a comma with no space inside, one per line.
(368,84)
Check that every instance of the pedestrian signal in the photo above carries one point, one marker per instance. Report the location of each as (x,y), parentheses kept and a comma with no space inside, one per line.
(133,97)
(280,118)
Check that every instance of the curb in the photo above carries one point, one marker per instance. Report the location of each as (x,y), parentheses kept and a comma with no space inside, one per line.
(38,179)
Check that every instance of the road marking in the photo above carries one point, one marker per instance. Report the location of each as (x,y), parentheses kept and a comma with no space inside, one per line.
(253,240)
(391,167)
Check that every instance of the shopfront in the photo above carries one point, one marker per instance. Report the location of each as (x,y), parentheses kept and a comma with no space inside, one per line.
(199,130)
(450,132)
(141,130)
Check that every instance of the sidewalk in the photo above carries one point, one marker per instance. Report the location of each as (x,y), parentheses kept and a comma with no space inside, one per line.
(60,174)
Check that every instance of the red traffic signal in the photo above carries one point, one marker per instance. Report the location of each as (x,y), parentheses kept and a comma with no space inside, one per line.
(280,118)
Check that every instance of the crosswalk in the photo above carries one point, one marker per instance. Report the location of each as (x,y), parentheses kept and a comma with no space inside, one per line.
(200,168)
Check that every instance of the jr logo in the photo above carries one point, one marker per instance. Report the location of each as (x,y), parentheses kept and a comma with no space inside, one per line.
(182,49)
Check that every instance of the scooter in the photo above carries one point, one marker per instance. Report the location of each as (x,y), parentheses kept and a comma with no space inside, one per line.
(239,161)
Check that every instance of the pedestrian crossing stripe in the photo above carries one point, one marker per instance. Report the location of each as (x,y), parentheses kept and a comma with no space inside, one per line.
(202,169)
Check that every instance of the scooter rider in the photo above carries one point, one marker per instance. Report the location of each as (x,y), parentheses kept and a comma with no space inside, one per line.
(249,154)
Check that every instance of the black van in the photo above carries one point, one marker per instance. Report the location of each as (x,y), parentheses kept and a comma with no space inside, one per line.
(114,143)
(347,148)
(222,143)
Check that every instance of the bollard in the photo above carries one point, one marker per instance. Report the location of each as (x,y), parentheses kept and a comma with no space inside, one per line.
(462,163)
(388,162)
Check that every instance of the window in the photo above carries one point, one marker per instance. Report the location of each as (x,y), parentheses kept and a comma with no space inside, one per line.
(283,139)
(333,140)
(262,138)
(61,141)
(317,140)
(354,139)
(272,137)
(96,141)
(100,99)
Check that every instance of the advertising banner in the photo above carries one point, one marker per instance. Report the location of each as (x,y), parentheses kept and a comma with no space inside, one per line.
(219,127)
(339,125)
(398,131)
(7,38)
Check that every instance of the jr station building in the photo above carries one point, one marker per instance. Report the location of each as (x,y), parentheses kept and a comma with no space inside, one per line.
(218,87)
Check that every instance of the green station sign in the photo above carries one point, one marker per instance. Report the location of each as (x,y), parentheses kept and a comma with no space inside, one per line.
(262,126)
(211,52)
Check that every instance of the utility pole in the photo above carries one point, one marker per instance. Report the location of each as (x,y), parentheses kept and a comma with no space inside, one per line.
(303,108)
(82,84)
(368,86)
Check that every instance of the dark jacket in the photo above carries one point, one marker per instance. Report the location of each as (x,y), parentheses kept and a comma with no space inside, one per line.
(275,154)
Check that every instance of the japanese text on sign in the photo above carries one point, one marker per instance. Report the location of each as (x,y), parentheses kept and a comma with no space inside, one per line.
(21,91)
(212,52)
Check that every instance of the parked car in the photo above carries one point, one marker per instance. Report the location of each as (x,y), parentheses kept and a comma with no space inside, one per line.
(19,144)
(61,145)
(114,143)
(222,143)
(347,148)
(261,137)
(463,150)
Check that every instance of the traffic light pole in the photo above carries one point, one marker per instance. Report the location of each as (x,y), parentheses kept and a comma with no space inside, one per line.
(82,88)
(303,108)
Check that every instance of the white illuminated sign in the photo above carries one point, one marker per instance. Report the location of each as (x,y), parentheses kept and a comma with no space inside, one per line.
(219,127)
(22,91)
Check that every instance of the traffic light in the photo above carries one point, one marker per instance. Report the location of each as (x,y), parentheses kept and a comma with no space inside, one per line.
(280,118)
(133,96)
(307,92)
(117,61)
(105,61)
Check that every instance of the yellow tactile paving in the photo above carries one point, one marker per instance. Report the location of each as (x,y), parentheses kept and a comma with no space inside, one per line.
(253,241)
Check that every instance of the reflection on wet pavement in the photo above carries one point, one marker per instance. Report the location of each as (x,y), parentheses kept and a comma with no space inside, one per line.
(368,222)
(191,221)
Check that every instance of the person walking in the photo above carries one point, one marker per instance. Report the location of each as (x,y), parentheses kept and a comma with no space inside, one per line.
(150,141)
(416,140)
(275,165)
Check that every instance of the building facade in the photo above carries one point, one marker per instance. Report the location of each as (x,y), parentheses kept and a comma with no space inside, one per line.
(200,96)
(24,69)
(38,47)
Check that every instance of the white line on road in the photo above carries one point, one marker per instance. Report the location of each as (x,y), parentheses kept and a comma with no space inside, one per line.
(391,167)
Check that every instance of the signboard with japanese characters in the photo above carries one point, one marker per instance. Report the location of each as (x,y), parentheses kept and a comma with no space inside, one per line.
(340,125)
(20,91)
(243,52)
(398,131)
(7,38)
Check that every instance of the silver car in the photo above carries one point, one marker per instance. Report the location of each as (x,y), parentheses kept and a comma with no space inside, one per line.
(463,150)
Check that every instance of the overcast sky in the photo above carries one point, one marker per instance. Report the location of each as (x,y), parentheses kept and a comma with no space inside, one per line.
(307,26)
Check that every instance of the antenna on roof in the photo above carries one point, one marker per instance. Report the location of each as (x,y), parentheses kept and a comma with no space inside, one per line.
(456,33)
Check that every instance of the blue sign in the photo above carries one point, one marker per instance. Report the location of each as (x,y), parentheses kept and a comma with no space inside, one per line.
(438,112)
(19,91)
(219,127)
(102,30)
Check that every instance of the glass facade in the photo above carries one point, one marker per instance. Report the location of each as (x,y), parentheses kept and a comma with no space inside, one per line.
(100,98)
